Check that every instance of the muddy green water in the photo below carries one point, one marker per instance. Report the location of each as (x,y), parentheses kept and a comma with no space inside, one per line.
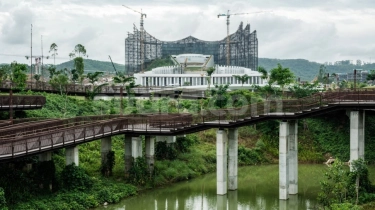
(257,189)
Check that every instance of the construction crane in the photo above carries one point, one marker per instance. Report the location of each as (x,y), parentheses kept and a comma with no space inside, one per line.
(113,64)
(142,35)
(228,38)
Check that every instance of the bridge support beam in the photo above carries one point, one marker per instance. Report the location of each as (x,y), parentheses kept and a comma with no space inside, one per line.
(283,161)
(106,146)
(357,135)
(150,152)
(136,147)
(128,154)
(293,156)
(233,158)
(71,155)
(221,162)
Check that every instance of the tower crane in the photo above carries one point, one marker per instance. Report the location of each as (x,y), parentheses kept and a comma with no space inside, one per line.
(228,38)
(142,35)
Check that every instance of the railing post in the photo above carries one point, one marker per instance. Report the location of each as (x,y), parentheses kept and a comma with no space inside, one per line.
(51,141)
(27,150)
(12,149)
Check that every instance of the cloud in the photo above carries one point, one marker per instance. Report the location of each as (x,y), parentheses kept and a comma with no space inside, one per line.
(16,29)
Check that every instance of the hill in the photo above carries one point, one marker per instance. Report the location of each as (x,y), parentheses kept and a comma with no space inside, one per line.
(307,70)
(304,69)
(93,65)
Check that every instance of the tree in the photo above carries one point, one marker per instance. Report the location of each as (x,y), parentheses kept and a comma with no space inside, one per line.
(371,75)
(80,68)
(94,77)
(209,72)
(53,48)
(242,78)
(80,49)
(220,96)
(18,75)
(303,90)
(322,73)
(5,70)
(59,82)
(264,72)
(52,71)
(282,76)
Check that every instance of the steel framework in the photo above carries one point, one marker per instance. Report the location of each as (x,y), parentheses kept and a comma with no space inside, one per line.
(243,48)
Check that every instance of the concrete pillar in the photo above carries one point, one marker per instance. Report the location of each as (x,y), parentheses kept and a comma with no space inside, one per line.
(357,135)
(45,156)
(233,158)
(150,152)
(106,146)
(293,157)
(221,162)
(128,154)
(136,146)
(283,161)
(71,155)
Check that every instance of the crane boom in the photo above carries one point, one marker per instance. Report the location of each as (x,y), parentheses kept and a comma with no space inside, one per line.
(112,64)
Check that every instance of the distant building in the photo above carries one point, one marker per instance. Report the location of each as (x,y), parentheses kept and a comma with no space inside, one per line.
(360,76)
(177,76)
(243,48)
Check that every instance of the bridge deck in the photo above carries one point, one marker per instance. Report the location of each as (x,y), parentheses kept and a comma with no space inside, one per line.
(30,138)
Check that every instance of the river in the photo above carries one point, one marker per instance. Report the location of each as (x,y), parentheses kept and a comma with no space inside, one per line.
(257,189)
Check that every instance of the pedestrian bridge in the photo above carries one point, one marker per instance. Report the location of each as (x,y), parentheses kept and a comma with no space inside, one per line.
(30,138)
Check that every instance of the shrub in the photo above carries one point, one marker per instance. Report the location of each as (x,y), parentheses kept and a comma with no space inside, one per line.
(75,178)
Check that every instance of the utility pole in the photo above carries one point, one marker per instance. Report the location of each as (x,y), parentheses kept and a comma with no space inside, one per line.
(228,37)
(141,40)
(31,55)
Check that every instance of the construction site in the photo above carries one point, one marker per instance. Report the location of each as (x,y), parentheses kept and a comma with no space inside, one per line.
(237,49)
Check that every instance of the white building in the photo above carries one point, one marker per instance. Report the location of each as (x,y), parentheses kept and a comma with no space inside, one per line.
(175,76)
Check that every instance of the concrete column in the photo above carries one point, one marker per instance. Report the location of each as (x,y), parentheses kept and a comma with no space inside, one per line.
(357,137)
(221,162)
(45,156)
(71,155)
(150,152)
(233,158)
(136,146)
(106,146)
(283,161)
(293,157)
(128,154)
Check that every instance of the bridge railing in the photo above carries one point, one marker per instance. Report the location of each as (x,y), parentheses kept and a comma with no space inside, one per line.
(22,101)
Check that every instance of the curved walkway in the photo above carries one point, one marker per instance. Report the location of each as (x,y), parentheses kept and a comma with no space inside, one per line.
(30,138)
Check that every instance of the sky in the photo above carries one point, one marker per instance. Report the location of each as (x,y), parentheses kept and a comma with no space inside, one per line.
(316,30)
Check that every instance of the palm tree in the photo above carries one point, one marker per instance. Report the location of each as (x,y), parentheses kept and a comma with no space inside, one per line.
(209,71)
(123,79)
(242,78)
(53,48)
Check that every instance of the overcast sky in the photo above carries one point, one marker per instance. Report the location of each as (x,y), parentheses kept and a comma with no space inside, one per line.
(317,30)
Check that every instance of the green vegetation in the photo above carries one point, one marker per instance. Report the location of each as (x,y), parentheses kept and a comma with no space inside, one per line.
(344,189)
(93,65)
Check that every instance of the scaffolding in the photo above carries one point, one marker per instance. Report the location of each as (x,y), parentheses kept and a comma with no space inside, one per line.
(243,49)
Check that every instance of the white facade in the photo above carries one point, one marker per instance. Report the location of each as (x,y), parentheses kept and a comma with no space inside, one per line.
(194,60)
(170,76)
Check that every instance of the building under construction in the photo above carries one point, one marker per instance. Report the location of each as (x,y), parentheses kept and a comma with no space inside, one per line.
(243,49)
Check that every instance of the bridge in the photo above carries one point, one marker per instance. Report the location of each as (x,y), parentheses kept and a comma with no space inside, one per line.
(41,137)
(109,90)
